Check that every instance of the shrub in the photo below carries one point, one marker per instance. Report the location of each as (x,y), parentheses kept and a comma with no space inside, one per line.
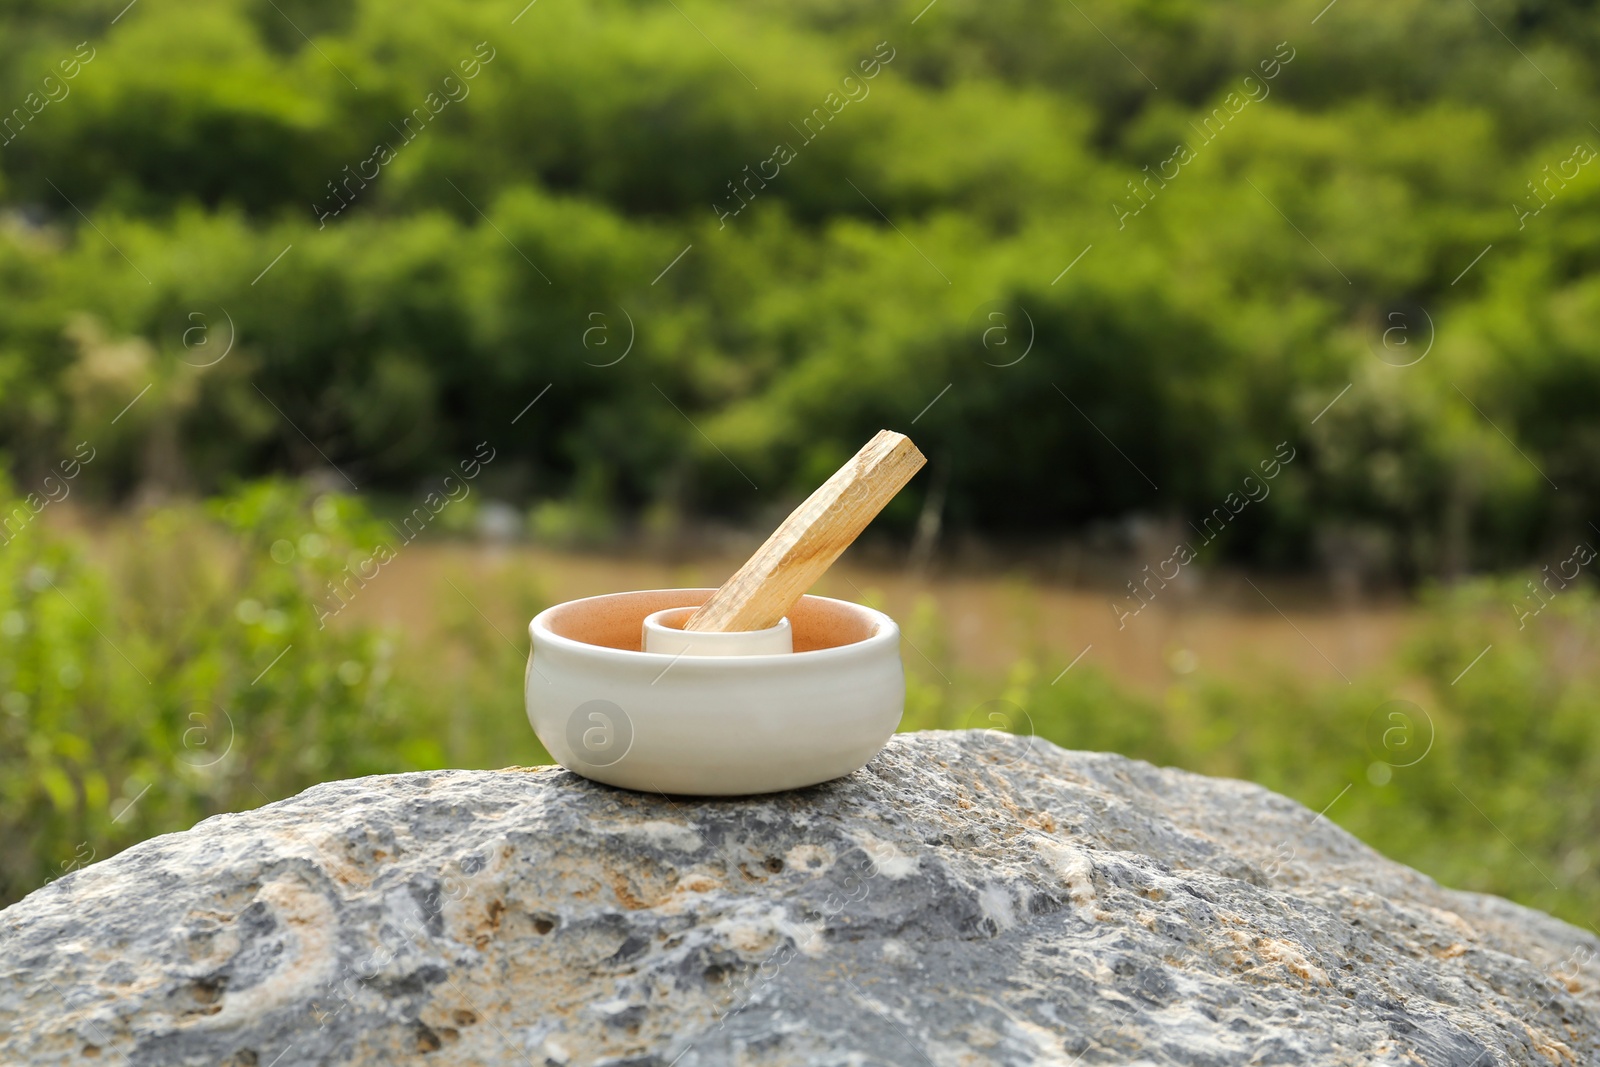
(193,662)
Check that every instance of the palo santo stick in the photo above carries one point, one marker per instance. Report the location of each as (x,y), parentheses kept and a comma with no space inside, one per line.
(763,590)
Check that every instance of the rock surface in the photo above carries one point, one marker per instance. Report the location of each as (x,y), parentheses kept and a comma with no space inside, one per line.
(968,898)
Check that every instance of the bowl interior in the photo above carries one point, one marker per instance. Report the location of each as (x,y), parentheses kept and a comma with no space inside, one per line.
(617,621)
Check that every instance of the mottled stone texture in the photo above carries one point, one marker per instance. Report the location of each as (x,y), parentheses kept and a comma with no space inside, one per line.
(968,898)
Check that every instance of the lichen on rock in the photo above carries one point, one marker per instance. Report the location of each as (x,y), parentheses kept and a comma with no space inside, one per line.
(967,898)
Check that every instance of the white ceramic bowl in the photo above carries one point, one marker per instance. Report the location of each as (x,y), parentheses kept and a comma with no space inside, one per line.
(704,725)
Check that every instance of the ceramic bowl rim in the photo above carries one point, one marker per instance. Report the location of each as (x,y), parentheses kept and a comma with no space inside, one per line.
(885,635)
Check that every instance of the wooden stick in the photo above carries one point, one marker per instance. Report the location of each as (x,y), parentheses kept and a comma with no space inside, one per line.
(763,590)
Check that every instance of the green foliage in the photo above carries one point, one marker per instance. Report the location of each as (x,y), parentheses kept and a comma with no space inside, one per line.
(515,243)
(1483,773)
(198,677)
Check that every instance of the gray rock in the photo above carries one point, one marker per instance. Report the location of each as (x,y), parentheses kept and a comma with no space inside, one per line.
(966,899)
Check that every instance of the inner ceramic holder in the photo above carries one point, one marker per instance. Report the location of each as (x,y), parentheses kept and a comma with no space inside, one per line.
(707,724)
(664,632)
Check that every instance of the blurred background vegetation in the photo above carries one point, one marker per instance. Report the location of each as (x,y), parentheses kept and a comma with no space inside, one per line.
(1400,222)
